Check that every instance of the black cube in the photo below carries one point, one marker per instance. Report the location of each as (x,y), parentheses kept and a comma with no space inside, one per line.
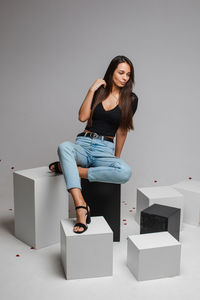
(158,218)
(104,199)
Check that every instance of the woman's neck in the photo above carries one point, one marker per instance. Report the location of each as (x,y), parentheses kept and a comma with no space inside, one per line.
(115,90)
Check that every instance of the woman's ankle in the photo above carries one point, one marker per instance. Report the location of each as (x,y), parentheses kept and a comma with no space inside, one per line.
(77,197)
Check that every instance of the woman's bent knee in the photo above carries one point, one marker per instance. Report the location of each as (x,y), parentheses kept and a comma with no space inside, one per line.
(65,146)
(126,174)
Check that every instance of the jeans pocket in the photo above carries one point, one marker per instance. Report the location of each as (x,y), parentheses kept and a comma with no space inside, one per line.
(109,147)
(81,140)
(108,144)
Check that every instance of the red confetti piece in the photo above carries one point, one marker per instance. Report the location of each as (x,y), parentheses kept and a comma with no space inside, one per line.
(130,210)
(190,178)
(133,207)
(12,168)
(32,248)
(155,181)
(124,220)
(10,208)
(125,223)
(17,255)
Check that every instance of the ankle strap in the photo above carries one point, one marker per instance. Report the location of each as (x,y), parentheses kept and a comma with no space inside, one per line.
(81,207)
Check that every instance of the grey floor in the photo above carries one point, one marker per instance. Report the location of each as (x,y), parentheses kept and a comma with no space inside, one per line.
(39,274)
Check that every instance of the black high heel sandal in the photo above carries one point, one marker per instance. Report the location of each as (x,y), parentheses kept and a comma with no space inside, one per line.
(88,219)
(55,164)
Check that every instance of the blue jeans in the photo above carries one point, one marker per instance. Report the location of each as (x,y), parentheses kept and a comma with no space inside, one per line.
(95,154)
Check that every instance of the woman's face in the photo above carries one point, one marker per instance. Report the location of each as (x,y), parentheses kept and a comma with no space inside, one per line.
(121,74)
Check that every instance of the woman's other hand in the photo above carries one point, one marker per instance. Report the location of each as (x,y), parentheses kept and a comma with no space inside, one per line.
(97,84)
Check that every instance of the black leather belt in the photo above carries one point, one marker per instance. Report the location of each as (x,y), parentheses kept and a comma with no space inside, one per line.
(96,136)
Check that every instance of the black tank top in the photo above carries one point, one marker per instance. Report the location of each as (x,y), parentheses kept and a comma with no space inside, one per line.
(106,122)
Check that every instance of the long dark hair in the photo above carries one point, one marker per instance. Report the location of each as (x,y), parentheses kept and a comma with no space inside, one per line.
(126,95)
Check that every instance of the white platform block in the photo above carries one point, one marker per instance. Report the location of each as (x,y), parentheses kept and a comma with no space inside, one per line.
(89,254)
(40,202)
(164,195)
(153,255)
(191,191)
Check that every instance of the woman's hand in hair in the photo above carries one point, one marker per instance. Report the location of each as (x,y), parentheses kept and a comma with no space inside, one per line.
(97,84)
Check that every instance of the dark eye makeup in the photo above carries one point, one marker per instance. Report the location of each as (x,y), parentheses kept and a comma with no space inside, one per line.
(121,72)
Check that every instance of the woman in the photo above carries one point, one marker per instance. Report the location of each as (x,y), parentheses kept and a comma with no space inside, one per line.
(108,107)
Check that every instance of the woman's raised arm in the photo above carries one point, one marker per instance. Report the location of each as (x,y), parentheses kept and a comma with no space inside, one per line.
(85,109)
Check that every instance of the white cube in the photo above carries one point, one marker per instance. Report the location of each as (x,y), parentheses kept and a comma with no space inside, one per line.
(191,191)
(153,255)
(89,254)
(40,202)
(164,195)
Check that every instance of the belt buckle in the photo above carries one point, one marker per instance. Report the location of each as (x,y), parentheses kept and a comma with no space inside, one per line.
(94,135)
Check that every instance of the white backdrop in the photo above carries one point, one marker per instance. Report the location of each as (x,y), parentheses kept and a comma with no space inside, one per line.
(51,51)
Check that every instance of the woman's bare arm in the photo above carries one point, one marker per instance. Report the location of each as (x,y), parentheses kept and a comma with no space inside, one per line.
(120,140)
(85,109)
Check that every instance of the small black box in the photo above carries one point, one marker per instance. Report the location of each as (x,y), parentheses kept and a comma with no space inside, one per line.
(158,218)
